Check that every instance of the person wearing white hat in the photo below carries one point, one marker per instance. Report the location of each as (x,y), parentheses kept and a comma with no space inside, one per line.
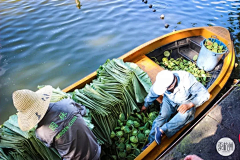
(59,125)
(182,94)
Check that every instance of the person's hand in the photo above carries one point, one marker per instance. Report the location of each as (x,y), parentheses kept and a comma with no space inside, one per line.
(192,157)
(184,107)
(159,99)
(143,109)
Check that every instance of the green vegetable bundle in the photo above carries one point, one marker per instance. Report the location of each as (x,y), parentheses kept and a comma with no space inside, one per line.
(183,64)
(17,144)
(130,135)
(118,88)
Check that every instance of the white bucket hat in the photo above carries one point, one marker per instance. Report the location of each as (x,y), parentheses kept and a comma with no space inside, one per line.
(163,80)
(31,106)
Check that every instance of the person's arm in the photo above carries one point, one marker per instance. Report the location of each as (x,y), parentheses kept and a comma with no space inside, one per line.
(184,107)
(199,93)
(149,99)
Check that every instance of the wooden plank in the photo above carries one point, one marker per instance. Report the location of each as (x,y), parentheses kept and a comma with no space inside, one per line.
(149,66)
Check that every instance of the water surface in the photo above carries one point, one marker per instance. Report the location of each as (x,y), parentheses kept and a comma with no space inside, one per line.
(53,42)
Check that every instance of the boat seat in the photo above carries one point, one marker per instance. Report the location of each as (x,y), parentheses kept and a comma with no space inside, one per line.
(149,66)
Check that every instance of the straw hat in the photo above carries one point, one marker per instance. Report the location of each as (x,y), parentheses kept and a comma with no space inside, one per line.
(31,106)
(163,80)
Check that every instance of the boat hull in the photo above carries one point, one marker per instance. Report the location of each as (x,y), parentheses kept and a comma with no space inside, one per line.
(138,56)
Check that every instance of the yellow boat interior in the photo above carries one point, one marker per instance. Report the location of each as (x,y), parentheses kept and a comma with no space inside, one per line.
(183,43)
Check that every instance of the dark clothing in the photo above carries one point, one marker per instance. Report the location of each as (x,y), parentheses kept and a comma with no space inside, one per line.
(64,129)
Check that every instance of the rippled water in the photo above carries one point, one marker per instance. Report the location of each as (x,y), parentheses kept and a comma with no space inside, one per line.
(53,42)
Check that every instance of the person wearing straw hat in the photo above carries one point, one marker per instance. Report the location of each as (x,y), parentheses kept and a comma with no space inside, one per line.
(182,94)
(59,125)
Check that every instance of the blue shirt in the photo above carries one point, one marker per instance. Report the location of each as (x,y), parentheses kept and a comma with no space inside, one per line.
(187,90)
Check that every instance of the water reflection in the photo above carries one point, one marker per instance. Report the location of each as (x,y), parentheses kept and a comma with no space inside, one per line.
(3,65)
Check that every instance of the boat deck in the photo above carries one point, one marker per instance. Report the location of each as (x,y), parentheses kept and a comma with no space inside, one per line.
(150,67)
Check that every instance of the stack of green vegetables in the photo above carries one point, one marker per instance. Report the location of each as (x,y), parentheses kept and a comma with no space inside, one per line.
(130,135)
(16,144)
(118,88)
(183,64)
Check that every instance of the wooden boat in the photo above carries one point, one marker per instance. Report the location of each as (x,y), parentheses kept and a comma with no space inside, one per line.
(184,43)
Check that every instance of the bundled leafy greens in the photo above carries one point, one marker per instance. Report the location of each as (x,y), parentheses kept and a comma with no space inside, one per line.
(118,88)
(17,144)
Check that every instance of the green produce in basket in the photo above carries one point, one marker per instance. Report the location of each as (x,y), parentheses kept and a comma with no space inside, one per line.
(213,46)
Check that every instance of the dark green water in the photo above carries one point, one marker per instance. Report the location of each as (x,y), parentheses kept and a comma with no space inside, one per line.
(53,42)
